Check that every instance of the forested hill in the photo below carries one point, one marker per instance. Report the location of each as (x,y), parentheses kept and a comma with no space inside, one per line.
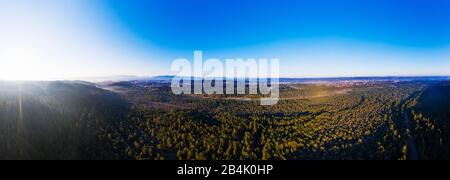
(56,120)
(146,121)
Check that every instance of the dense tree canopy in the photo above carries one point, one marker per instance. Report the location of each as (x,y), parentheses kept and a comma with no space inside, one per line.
(145,121)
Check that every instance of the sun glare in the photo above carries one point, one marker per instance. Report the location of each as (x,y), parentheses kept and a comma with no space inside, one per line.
(20,64)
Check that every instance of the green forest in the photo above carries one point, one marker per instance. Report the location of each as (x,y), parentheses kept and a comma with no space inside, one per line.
(145,121)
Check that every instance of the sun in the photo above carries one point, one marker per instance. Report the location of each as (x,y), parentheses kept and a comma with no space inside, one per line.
(20,64)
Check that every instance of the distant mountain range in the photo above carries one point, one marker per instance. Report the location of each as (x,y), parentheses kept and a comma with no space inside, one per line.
(168,78)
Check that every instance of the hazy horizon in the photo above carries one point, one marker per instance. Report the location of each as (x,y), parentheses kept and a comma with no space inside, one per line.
(118,78)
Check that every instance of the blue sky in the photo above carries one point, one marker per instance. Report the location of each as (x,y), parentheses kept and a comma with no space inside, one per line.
(51,39)
(206,24)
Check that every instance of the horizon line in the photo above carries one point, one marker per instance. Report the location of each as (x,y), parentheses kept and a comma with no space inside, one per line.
(137,78)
